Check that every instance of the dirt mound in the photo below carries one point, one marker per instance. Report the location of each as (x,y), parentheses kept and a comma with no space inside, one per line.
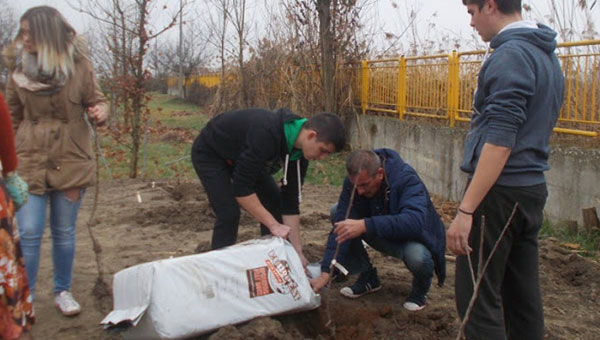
(183,191)
(189,215)
(262,328)
(570,268)
(315,220)
(181,205)
(571,290)
(314,251)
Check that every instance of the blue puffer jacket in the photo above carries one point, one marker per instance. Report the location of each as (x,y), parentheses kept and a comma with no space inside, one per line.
(409,216)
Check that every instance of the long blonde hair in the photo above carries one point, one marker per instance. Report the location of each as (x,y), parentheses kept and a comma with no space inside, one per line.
(53,37)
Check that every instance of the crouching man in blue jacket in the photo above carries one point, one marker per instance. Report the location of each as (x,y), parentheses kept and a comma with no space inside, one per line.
(391,212)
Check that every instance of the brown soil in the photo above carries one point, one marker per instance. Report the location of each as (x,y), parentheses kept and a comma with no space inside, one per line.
(174,219)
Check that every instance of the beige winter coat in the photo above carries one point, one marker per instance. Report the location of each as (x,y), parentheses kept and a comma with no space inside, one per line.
(52,138)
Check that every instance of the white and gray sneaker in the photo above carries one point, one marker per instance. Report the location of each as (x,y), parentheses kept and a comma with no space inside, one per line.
(413,306)
(67,305)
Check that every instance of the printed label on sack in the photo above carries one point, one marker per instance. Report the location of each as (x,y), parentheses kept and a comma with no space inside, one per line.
(275,277)
(258,282)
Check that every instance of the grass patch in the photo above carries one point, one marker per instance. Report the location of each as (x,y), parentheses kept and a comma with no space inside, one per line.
(587,243)
(331,171)
(170,104)
(173,112)
(194,121)
(161,156)
(170,159)
(163,160)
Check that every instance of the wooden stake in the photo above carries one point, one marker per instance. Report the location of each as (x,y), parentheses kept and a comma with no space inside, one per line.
(590,218)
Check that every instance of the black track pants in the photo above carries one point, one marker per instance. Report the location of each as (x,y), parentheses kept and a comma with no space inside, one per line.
(215,174)
(509,302)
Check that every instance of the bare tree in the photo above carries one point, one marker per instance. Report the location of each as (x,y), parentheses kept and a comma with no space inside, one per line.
(165,57)
(8,29)
(572,19)
(238,19)
(131,34)
(338,22)
(194,53)
(327,56)
(408,37)
(111,52)
(180,53)
(160,57)
(218,32)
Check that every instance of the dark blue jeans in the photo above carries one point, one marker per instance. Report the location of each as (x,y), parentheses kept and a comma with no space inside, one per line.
(415,256)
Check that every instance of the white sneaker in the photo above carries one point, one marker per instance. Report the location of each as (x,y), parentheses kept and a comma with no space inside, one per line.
(413,307)
(67,305)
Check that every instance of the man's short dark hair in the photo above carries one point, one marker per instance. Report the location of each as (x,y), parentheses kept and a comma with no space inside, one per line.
(505,6)
(329,129)
(362,160)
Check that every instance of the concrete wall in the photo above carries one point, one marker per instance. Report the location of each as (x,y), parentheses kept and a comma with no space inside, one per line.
(173,91)
(436,153)
(573,183)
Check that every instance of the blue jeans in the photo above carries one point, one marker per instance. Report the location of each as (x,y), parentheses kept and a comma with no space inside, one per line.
(415,256)
(31,221)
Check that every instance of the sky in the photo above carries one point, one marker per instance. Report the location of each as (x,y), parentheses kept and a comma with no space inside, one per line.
(449,16)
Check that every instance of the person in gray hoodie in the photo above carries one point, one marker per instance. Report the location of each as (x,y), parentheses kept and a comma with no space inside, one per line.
(516,105)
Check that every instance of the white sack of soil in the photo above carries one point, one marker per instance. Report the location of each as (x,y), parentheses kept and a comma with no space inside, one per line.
(191,295)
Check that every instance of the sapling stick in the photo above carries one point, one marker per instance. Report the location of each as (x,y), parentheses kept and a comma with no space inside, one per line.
(100,288)
(480,275)
(337,250)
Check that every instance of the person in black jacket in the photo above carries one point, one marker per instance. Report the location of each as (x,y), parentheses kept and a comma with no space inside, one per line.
(238,151)
(391,212)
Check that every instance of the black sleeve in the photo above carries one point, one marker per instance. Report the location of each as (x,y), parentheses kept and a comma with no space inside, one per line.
(260,146)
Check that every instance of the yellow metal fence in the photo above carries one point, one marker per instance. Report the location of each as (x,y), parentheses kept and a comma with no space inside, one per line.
(442,86)
(208,80)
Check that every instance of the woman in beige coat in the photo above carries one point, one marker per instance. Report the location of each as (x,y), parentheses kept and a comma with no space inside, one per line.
(50,89)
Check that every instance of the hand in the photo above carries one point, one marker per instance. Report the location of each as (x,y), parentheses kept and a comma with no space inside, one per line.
(319,282)
(349,229)
(457,237)
(97,113)
(17,189)
(280,230)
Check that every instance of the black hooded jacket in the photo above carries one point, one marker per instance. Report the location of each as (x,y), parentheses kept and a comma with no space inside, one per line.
(253,142)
